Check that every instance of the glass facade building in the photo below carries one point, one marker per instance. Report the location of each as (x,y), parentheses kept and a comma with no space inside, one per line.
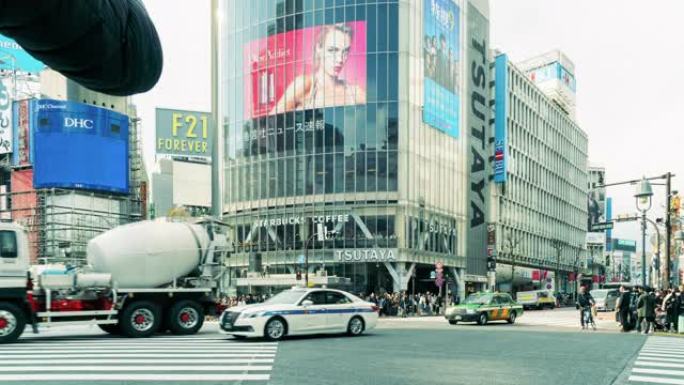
(540,207)
(323,112)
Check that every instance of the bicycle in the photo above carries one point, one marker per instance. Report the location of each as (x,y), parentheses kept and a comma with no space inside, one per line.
(588,317)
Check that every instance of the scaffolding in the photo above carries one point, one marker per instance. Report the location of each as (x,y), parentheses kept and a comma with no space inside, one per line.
(59,223)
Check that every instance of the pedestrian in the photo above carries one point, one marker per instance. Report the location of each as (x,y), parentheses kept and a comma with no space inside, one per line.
(623,308)
(645,311)
(668,306)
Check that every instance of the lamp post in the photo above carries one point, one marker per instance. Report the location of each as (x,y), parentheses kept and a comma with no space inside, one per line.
(511,244)
(643,196)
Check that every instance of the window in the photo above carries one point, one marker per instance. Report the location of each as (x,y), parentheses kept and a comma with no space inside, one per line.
(333,298)
(8,244)
(317,297)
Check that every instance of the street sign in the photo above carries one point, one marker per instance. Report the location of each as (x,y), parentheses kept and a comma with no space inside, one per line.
(602,226)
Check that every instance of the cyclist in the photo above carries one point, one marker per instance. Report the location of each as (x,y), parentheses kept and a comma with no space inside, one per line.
(584,303)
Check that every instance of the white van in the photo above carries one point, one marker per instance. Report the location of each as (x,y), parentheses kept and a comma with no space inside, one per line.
(536,299)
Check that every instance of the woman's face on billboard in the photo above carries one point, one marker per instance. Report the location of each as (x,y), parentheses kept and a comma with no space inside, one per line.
(336,46)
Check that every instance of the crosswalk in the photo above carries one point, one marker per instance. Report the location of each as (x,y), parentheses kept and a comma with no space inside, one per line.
(164,359)
(660,361)
(564,318)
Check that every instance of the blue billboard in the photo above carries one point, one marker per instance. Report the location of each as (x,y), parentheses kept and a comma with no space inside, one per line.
(73,145)
(441,57)
(553,71)
(500,118)
(18,58)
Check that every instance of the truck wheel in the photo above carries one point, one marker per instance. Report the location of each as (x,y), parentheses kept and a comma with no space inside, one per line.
(140,319)
(112,329)
(185,317)
(12,322)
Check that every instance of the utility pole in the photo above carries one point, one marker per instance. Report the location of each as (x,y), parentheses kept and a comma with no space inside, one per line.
(558,246)
(668,230)
(216,198)
(512,244)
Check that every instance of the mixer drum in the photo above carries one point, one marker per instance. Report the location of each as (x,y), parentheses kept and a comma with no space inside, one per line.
(148,254)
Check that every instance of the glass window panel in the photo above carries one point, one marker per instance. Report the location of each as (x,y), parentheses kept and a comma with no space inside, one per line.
(392,171)
(370,142)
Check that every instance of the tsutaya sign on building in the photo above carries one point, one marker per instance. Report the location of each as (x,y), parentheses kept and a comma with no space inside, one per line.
(366,255)
(298,220)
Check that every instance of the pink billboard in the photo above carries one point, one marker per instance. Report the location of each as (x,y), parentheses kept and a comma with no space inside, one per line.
(316,67)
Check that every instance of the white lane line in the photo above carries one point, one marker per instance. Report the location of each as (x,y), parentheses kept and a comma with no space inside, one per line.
(657,380)
(657,354)
(659,359)
(7,362)
(163,355)
(123,341)
(659,371)
(116,368)
(105,351)
(659,364)
(195,377)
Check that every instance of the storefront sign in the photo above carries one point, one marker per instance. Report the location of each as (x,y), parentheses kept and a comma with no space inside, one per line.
(366,255)
(298,220)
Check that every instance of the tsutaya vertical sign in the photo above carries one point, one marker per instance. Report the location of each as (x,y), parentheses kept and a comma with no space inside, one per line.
(477,123)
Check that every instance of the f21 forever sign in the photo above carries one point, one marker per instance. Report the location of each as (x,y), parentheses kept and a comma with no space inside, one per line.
(183,133)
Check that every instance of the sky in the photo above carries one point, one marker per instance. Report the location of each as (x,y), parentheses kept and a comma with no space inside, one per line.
(627,57)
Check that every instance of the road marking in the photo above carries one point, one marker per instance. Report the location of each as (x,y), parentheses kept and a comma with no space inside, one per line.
(125,360)
(54,377)
(136,368)
(657,380)
(659,371)
(659,364)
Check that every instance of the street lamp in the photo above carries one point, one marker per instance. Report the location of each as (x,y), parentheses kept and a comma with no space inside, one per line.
(643,196)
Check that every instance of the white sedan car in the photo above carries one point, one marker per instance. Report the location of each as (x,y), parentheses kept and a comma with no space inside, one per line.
(301,311)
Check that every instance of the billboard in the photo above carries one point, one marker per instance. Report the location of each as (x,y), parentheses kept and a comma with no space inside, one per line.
(596,198)
(478,115)
(181,132)
(500,118)
(75,145)
(6,90)
(18,58)
(441,62)
(314,67)
(21,132)
(191,184)
(553,71)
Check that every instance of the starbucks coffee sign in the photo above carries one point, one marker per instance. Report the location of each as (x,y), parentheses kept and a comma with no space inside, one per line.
(366,255)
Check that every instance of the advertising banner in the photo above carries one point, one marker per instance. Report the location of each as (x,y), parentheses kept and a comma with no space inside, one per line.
(553,71)
(6,115)
(315,67)
(79,146)
(184,133)
(441,61)
(596,198)
(500,118)
(478,122)
(17,57)
(22,136)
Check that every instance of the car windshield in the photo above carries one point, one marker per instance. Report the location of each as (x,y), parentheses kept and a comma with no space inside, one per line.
(479,299)
(285,297)
(599,294)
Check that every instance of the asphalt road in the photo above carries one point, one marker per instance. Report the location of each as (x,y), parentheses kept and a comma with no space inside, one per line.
(548,348)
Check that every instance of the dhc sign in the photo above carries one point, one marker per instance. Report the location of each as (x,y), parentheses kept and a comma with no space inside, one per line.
(78,123)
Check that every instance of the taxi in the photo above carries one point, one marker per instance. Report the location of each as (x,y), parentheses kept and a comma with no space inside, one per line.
(301,311)
(485,307)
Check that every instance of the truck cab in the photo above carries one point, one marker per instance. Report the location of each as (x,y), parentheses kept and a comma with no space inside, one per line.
(14,266)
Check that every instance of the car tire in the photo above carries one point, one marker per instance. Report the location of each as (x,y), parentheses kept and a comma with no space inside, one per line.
(482,319)
(12,322)
(140,319)
(112,329)
(275,329)
(356,326)
(185,317)
(453,322)
(512,317)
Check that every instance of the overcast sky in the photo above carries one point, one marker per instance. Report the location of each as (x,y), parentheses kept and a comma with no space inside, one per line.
(627,65)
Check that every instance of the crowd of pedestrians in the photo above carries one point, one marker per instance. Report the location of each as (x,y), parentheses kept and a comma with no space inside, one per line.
(404,304)
(648,310)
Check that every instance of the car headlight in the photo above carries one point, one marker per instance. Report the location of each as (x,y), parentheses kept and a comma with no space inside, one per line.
(470,311)
(252,315)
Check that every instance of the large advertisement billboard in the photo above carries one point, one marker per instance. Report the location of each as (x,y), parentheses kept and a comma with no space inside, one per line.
(184,133)
(315,67)
(441,53)
(73,145)
(6,90)
(596,198)
(500,118)
(16,57)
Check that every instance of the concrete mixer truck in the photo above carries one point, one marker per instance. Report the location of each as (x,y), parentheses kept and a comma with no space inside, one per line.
(140,278)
